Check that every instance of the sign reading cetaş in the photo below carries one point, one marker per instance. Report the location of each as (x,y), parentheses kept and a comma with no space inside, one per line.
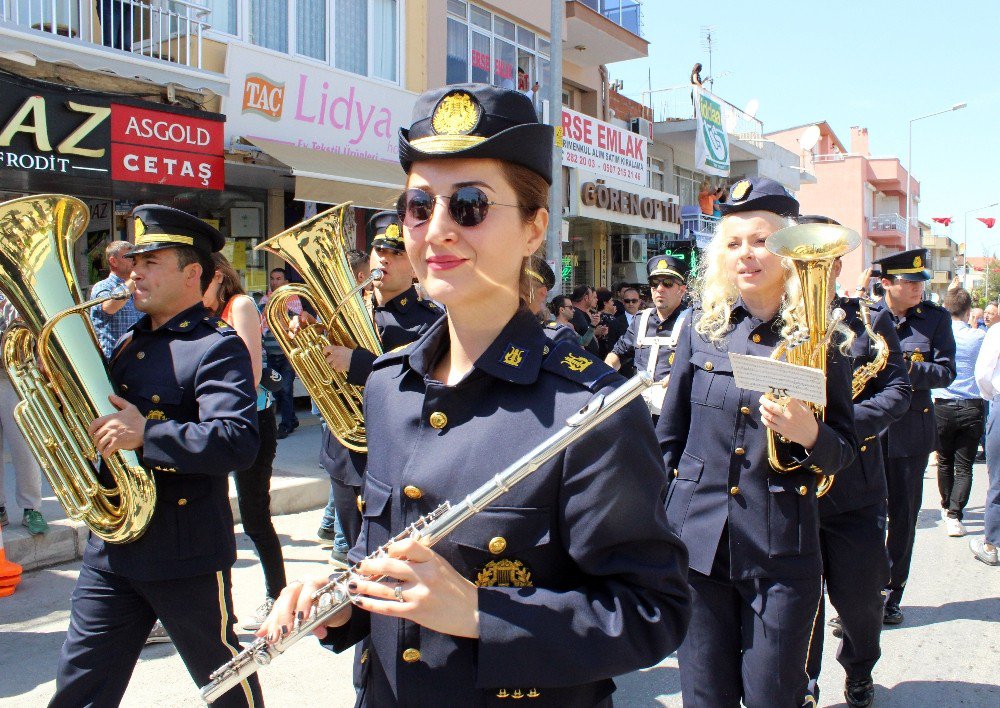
(314,107)
(602,148)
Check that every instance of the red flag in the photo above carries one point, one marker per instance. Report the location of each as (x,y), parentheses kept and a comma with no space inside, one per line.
(988,220)
(946,220)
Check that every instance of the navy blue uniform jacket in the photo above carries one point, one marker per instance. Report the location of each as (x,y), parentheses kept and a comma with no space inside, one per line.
(882,402)
(715,447)
(598,586)
(192,380)
(928,345)
(400,321)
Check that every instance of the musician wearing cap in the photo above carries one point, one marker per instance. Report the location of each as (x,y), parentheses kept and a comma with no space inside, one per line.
(752,533)
(853,512)
(187,402)
(540,281)
(650,341)
(401,316)
(572,576)
(928,345)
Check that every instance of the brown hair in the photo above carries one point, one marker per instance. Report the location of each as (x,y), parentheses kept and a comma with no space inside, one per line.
(230,285)
(532,193)
(958,302)
(186,255)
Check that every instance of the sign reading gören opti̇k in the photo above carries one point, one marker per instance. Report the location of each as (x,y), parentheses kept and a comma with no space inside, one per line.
(711,144)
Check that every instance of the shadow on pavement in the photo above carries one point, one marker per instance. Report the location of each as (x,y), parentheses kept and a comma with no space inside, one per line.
(644,688)
(984,609)
(939,693)
(41,593)
(28,661)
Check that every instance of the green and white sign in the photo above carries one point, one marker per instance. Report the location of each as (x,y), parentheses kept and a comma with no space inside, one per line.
(711,144)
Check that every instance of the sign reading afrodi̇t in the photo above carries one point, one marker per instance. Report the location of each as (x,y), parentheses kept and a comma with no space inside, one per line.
(610,151)
(711,143)
(314,107)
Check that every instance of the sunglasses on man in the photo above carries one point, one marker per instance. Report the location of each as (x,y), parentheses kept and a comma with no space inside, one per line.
(468,206)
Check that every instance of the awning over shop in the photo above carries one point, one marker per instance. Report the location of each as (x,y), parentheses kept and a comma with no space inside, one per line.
(330,178)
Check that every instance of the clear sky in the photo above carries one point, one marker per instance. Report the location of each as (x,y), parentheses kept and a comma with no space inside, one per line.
(873,64)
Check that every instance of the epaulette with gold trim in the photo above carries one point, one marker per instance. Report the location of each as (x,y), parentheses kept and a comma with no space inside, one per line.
(431,305)
(216,323)
(571,361)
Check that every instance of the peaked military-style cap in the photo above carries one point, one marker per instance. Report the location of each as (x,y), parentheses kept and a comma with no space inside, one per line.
(388,233)
(157,227)
(666,265)
(477,121)
(759,194)
(907,265)
(539,270)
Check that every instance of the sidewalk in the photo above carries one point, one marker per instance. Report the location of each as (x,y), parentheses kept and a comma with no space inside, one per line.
(298,484)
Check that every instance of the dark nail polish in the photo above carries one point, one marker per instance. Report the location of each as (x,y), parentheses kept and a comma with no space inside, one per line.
(352,586)
(284,630)
(298,616)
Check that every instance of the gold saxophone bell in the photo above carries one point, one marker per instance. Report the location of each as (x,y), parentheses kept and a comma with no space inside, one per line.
(866,372)
(316,249)
(56,366)
(812,249)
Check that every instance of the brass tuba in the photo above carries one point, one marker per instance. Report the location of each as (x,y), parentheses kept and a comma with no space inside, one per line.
(812,249)
(316,249)
(56,366)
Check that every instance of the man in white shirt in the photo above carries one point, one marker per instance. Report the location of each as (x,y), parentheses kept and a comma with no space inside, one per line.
(988,379)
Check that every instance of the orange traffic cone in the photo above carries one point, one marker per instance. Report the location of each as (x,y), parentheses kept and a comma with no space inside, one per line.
(10,575)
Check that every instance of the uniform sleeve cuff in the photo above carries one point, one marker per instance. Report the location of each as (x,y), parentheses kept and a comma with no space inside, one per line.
(361,366)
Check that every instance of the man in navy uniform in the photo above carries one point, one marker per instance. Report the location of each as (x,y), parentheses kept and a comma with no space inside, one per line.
(928,346)
(541,280)
(852,512)
(401,317)
(651,339)
(187,405)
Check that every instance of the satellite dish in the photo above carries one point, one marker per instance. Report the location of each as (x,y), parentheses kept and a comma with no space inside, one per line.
(729,119)
(809,137)
(752,106)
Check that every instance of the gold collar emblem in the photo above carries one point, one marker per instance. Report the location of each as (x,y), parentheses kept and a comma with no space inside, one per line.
(513,357)
(577,363)
(504,573)
(402,303)
(456,114)
(917,355)
(740,190)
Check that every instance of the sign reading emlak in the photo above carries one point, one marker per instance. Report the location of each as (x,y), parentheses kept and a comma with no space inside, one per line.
(609,151)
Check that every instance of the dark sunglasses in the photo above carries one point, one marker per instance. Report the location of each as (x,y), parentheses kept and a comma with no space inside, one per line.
(668,284)
(631,301)
(468,206)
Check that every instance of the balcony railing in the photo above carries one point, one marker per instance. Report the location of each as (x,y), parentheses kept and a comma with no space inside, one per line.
(170,30)
(675,104)
(624,13)
(887,222)
(694,223)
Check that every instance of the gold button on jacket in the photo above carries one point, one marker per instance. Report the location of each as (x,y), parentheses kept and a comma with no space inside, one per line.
(182,502)
(155,398)
(411,655)
(740,451)
(803,490)
(140,355)
(412,492)
(745,410)
(756,339)
(438,420)
(709,366)
(734,491)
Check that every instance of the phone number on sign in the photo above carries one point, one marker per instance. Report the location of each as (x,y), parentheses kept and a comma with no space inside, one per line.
(618,171)
(571,158)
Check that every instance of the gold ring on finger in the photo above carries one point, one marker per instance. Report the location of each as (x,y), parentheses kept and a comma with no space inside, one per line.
(398,592)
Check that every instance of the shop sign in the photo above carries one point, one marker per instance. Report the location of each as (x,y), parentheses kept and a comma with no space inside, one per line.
(610,151)
(623,203)
(84,134)
(156,147)
(314,107)
(711,143)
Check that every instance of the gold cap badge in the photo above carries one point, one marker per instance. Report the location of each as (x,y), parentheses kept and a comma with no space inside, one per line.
(740,190)
(392,232)
(458,113)
(662,264)
(918,262)
(140,228)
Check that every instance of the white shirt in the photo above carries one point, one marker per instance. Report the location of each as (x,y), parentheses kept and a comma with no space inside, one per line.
(988,365)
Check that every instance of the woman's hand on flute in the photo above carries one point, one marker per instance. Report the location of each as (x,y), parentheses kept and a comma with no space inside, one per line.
(294,606)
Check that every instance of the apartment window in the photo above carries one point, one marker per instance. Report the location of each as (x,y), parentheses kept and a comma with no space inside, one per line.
(687,185)
(359,36)
(486,48)
(656,180)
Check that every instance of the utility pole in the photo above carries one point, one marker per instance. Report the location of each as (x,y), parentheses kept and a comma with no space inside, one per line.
(553,239)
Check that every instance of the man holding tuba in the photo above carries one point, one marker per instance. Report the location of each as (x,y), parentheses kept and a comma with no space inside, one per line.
(401,317)
(928,344)
(186,400)
(852,514)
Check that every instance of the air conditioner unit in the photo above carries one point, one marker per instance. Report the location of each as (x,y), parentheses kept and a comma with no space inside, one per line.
(633,249)
(629,273)
(642,127)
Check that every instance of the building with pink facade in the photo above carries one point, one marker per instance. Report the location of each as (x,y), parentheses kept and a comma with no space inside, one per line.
(864,193)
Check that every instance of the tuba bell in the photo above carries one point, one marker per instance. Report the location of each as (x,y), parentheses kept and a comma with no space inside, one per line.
(812,248)
(56,366)
(316,249)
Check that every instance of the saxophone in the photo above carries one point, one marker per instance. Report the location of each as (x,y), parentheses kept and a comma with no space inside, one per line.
(866,372)
(428,530)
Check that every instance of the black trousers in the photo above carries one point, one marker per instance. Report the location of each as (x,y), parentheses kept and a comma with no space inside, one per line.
(749,640)
(111,617)
(253,493)
(960,425)
(855,568)
(905,479)
(345,499)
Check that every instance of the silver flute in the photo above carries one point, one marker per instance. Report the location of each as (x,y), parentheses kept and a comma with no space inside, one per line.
(333,597)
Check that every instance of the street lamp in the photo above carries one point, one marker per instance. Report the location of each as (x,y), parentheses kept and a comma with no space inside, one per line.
(909,162)
(965,246)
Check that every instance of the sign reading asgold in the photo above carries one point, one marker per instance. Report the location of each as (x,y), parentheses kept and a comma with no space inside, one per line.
(596,194)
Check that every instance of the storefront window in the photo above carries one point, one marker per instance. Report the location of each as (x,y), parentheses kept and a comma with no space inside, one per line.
(484,51)
(351,40)
(223,15)
(269,25)
(310,28)
(384,39)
